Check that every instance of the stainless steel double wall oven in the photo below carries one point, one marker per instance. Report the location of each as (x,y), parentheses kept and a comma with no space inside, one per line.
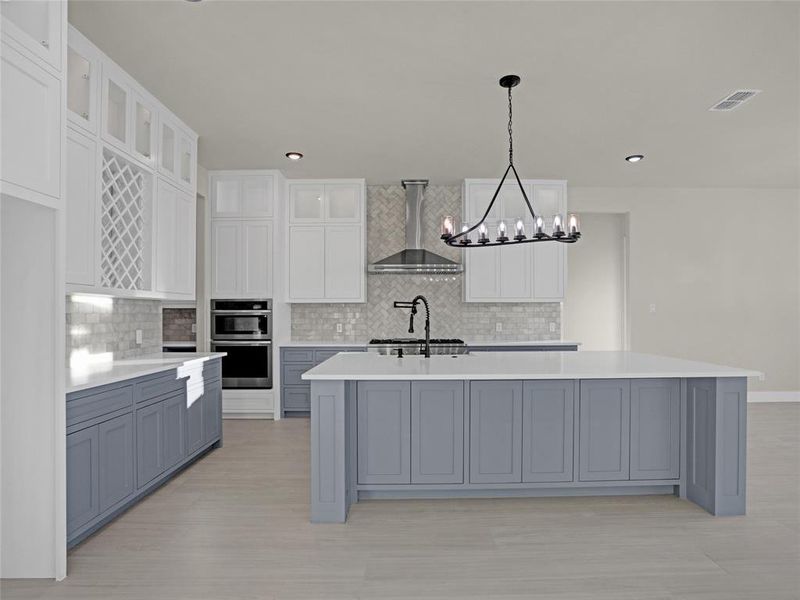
(243,329)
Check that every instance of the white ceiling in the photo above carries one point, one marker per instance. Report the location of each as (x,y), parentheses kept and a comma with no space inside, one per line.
(392,90)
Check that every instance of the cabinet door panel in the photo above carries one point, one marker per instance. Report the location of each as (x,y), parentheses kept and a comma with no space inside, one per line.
(257,259)
(549,259)
(343,202)
(306,202)
(35,25)
(186,160)
(225,274)
(344,264)
(226,196)
(30,108)
(478,196)
(547,431)
(116,106)
(384,432)
(167,148)
(83,503)
(116,460)
(482,276)
(174,429)
(437,432)
(306,263)
(166,217)
(185,234)
(515,272)
(212,412)
(195,427)
(655,429)
(81,209)
(143,129)
(149,443)
(495,431)
(605,430)
(257,198)
(83,80)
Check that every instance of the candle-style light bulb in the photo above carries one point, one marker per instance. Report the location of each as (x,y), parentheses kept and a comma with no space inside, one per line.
(519,230)
(483,234)
(573,224)
(558,226)
(447,227)
(538,227)
(464,229)
(501,232)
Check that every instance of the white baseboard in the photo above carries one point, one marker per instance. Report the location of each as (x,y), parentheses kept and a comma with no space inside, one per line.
(773,396)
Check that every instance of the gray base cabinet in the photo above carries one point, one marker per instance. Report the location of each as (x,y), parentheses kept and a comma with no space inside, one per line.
(195,430)
(437,432)
(83,489)
(384,432)
(547,430)
(495,446)
(125,439)
(655,429)
(296,360)
(605,417)
(115,459)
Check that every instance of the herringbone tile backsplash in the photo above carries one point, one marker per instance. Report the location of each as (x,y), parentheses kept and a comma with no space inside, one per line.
(450,317)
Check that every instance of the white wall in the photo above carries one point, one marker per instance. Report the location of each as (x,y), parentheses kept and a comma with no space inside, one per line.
(722,267)
(594,305)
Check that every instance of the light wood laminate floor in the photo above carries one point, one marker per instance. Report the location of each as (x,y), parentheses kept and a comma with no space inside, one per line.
(235,526)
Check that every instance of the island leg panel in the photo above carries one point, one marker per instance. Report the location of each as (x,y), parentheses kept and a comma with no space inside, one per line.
(329,423)
(717,444)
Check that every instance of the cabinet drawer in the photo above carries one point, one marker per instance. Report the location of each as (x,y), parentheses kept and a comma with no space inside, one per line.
(212,370)
(101,403)
(323,355)
(158,386)
(290,374)
(297,398)
(298,355)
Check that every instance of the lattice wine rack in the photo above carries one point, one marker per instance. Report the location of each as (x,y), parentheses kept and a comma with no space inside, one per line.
(122,224)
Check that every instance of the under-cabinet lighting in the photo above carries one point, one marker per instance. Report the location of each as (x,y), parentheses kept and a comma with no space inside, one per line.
(104,302)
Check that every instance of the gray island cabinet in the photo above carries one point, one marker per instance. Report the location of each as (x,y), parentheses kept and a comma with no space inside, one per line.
(526,424)
(126,438)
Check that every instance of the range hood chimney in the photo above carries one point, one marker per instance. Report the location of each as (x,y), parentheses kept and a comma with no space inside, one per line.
(415,260)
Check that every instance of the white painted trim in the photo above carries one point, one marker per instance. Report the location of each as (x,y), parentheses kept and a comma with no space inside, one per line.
(773,396)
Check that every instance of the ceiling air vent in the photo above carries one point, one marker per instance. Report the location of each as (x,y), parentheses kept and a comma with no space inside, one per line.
(734,100)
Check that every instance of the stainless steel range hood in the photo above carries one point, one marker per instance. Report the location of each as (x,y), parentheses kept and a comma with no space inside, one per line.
(415,260)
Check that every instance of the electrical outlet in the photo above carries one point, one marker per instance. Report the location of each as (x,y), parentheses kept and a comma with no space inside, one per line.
(498,327)
(552,327)
(139,337)
(194,327)
(339,328)
(652,308)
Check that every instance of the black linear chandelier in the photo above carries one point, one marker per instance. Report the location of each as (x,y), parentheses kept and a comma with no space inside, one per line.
(557,233)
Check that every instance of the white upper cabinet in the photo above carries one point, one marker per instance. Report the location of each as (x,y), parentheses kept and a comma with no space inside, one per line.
(81,202)
(533,272)
(242,196)
(187,160)
(327,246)
(115,103)
(83,82)
(143,129)
(241,258)
(174,251)
(177,151)
(167,148)
(36,25)
(30,144)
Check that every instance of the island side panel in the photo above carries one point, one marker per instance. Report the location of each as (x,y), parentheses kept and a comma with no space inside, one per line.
(717,444)
(329,498)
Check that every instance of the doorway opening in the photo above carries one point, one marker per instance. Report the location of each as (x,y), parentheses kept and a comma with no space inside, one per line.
(595,311)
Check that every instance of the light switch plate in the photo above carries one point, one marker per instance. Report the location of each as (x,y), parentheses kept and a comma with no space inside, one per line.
(338,328)
(139,337)
(498,327)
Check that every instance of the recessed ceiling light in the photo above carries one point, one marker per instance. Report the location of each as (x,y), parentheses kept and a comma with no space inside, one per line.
(294,155)
(634,157)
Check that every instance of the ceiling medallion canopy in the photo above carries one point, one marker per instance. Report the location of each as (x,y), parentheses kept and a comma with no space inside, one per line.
(555,230)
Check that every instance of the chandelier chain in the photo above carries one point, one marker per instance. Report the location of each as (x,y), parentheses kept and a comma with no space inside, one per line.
(510,134)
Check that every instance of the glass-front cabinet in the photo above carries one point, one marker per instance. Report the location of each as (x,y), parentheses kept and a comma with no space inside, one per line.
(36,24)
(187,160)
(143,129)
(167,144)
(115,102)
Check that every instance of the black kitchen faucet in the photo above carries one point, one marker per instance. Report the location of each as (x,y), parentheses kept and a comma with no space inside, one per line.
(413,306)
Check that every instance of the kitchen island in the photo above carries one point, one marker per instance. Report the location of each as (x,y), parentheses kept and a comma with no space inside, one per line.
(503,424)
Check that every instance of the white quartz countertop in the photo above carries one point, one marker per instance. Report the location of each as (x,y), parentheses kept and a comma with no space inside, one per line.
(516,365)
(93,375)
